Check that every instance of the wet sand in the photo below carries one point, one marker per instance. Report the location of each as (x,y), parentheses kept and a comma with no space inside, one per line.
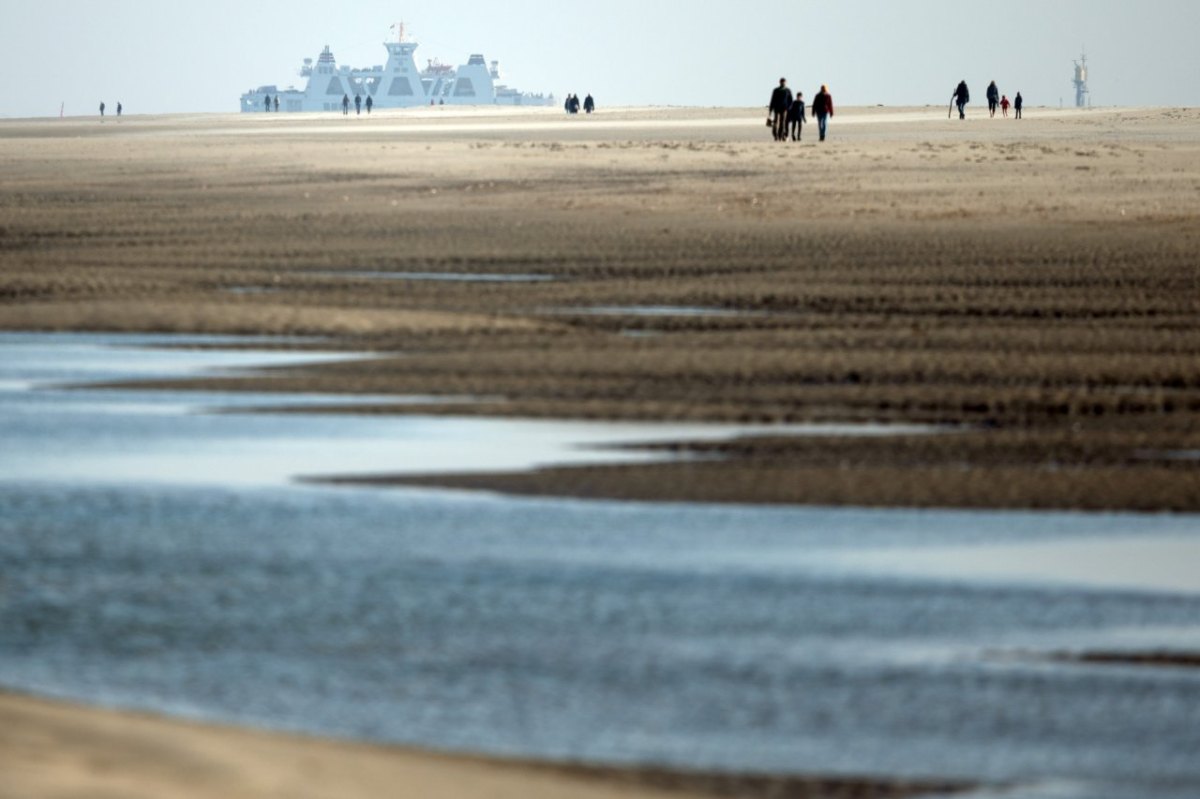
(1032,286)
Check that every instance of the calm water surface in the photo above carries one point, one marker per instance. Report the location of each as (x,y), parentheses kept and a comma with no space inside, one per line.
(791,640)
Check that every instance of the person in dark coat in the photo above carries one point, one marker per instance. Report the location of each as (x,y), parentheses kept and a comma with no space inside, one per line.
(961,96)
(1018,104)
(267,104)
(823,110)
(797,118)
(345,105)
(120,108)
(589,104)
(101,110)
(781,102)
(370,105)
(993,97)
(358,104)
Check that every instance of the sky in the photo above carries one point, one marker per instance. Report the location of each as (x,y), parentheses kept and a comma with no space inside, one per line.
(178,56)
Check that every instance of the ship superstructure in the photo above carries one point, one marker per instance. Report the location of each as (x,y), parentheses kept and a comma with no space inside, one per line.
(397,84)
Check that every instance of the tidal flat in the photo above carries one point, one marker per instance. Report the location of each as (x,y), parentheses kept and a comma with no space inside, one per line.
(720,616)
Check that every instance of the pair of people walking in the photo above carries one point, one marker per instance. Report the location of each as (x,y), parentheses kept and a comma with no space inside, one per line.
(572,105)
(787,115)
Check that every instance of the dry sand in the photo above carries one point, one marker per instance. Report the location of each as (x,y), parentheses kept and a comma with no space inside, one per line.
(52,751)
(1035,285)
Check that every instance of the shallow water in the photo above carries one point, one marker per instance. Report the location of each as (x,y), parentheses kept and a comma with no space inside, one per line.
(742,638)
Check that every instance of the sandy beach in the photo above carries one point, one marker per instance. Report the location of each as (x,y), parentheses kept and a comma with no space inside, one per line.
(50,750)
(1032,287)
(1029,284)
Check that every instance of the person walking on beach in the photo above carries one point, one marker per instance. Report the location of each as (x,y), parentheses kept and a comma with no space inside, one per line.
(358,105)
(102,110)
(120,108)
(823,110)
(370,105)
(960,98)
(781,101)
(1018,104)
(993,98)
(277,104)
(267,104)
(1004,105)
(797,117)
(589,104)
(345,105)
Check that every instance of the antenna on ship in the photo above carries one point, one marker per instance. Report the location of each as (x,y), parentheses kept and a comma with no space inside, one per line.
(399,29)
(1082,93)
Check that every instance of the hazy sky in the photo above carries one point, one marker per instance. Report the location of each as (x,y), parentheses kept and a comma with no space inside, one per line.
(178,56)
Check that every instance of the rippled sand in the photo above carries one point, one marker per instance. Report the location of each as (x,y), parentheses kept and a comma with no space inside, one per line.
(1032,284)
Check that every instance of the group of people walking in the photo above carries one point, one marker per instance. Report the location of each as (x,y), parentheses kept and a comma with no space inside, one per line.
(572,105)
(787,113)
(358,105)
(996,101)
(103,107)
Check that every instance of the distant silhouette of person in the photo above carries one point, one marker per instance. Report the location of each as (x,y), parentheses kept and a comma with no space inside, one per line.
(993,98)
(823,110)
(267,104)
(589,105)
(961,96)
(120,108)
(101,110)
(277,104)
(358,104)
(1004,105)
(345,105)
(796,117)
(781,101)
(1018,104)
(567,104)
(442,101)
(370,105)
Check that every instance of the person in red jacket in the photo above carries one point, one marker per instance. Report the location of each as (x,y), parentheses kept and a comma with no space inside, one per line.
(823,110)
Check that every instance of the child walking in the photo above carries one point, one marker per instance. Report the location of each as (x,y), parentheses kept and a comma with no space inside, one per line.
(797,118)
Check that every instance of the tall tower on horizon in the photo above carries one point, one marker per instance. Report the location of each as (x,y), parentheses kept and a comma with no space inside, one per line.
(1082,93)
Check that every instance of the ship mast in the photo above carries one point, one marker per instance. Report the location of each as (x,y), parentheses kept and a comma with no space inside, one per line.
(399,29)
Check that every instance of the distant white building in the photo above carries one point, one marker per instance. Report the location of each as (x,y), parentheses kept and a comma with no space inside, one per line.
(398,84)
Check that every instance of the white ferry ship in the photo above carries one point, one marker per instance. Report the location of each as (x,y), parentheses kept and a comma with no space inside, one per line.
(397,84)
